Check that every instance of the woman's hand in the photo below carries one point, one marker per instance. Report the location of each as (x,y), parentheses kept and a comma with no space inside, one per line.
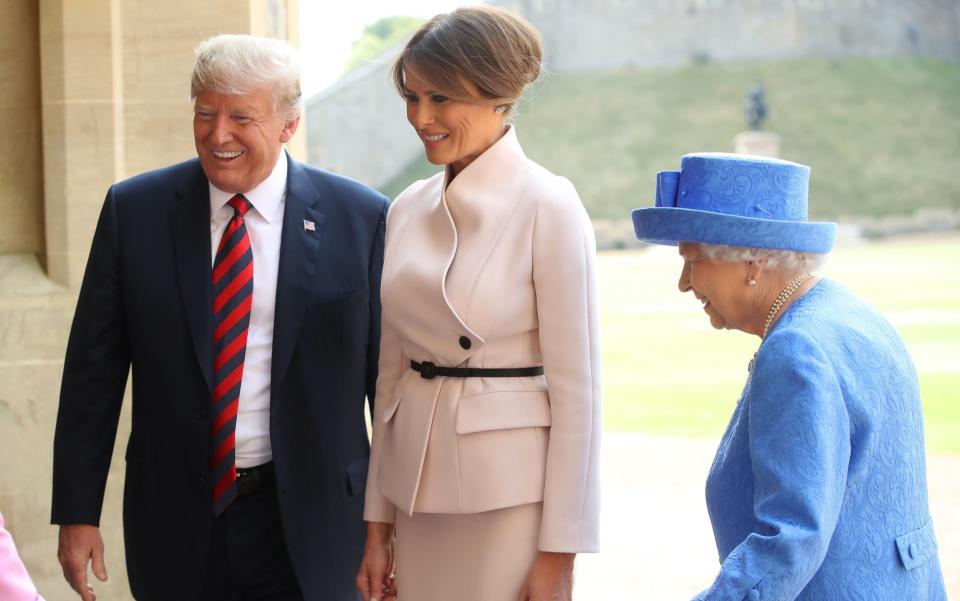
(375,580)
(550,578)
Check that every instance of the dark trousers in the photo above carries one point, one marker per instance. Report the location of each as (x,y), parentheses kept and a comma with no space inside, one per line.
(248,553)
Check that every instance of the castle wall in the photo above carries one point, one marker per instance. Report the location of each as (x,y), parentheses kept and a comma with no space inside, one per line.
(359,127)
(584,35)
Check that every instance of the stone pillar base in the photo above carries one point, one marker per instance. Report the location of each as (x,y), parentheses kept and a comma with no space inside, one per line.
(763,143)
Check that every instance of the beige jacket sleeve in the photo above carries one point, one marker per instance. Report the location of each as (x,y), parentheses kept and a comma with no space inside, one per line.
(564,277)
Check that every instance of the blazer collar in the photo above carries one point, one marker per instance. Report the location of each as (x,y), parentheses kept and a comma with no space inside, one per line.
(303,230)
(476,204)
(488,182)
(191,240)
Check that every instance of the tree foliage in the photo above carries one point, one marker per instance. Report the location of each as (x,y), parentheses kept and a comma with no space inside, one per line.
(380,36)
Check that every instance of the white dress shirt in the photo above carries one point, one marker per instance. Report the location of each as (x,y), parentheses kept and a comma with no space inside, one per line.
(264,225)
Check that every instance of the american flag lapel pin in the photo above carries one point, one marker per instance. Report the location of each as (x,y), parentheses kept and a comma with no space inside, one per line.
(309,226)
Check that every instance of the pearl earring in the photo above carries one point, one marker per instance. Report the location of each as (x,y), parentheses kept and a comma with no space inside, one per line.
(500,109)
(750,281)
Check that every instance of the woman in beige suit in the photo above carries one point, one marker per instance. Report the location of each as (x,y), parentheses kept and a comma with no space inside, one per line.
(487,422)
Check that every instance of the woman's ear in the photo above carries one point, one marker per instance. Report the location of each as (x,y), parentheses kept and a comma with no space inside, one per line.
(754,271)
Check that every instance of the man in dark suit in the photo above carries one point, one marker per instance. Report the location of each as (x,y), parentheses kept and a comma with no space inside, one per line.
(243,288)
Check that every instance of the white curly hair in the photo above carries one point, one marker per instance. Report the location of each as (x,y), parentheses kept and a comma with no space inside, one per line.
(786,259)
(237,64)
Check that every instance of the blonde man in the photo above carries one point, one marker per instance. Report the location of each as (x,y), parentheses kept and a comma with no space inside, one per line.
(243,289)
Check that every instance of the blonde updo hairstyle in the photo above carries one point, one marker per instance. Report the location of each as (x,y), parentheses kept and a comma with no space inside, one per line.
(494,49)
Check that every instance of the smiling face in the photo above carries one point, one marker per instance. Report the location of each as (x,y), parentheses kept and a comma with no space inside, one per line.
(238,137)
(720,287)
(453,132)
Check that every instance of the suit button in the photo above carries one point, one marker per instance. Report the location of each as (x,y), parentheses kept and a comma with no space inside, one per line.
(464,342)
(202,413)
(753,595)
(200,481)
(274,421)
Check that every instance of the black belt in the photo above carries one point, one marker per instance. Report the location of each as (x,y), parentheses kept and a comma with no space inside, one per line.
(429,370)
(252,479)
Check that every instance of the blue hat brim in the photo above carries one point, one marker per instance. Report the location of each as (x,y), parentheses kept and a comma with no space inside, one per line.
(671,225)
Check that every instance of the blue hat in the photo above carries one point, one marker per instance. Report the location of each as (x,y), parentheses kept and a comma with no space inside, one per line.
(736,200)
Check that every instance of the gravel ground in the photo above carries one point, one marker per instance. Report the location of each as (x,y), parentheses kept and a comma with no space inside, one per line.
(655,533)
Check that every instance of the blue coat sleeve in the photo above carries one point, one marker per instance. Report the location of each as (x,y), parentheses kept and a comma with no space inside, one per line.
(94,377)
(799,439)
(373,341)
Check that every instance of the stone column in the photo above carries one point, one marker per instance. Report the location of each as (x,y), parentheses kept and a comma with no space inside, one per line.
(82,125)
(21,183)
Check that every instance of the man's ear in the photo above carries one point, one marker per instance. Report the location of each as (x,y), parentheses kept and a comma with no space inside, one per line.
(289,128)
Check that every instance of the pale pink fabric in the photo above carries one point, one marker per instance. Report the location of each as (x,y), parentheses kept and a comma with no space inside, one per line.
(15,583)
(494,270)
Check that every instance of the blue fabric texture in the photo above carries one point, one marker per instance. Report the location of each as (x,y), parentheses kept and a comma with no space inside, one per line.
(818,490)
(737,200)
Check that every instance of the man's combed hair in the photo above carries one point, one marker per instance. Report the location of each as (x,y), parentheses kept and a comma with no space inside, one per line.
(494,49)
(238,64)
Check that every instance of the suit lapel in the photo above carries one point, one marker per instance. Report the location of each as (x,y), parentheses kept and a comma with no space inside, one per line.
(191,239)
(299,246)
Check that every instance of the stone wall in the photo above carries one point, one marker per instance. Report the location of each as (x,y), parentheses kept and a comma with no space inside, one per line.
(584,35)
(21,182)
(358,127)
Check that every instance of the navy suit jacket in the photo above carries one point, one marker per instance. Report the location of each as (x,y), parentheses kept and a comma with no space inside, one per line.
(146,302)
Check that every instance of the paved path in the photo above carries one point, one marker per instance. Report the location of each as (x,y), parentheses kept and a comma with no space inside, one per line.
(656,537)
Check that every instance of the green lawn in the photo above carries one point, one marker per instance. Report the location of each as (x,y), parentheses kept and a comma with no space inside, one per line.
(882,135)
(666,371)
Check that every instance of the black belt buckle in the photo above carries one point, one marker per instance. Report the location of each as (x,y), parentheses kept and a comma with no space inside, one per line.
(253,479)
(428,370)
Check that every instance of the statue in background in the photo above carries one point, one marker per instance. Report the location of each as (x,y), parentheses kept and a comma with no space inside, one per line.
(756,107)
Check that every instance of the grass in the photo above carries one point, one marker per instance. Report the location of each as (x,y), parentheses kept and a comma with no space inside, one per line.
(882,135)
(666,372)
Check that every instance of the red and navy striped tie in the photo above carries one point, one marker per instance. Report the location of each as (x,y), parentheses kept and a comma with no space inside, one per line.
(232,298)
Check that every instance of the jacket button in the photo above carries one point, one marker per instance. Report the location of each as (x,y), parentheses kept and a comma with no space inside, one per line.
(753,595)
(912,550)
(464,342)
(202,413)
(200,481)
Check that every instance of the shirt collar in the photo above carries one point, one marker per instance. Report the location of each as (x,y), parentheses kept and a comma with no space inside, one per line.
(265,197)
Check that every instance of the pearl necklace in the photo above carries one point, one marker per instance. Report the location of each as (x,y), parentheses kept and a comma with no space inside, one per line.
(784,295)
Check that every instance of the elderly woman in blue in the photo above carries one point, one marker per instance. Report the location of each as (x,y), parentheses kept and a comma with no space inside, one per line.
(818,490)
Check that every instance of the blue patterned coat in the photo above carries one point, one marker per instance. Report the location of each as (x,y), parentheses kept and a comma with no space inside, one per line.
(818,490)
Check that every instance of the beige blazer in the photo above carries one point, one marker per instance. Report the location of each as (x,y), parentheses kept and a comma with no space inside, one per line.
(496,270)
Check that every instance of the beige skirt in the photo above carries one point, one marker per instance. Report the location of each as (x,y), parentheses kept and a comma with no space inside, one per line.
(466,557)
